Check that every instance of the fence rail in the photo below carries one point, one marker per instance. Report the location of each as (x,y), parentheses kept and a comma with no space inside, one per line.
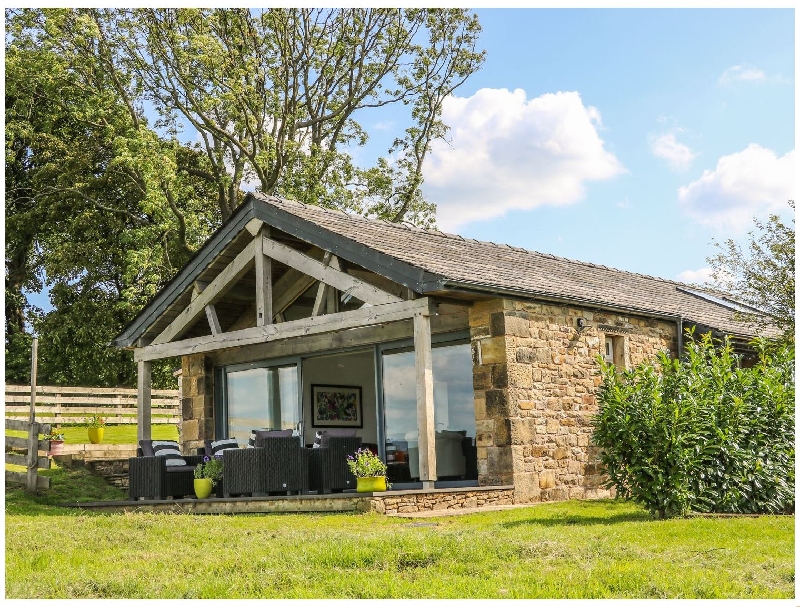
(22,457)
(71,405)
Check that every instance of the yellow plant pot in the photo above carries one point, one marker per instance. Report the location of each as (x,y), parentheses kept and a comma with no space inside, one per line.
(203,487)
(369,484)
(96,435)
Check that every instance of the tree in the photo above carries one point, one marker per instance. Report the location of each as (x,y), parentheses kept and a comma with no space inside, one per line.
(763,277)
(105,208)
(97,205)
(274,95)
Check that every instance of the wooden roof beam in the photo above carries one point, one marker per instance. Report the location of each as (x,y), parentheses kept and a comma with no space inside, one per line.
(327,274)
(215,289)
(374,315)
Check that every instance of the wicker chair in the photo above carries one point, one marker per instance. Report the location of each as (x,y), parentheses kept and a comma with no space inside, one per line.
(328,470)
(275,465)
(150,477)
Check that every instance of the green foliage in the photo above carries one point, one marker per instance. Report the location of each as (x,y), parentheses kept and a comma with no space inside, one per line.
(54,434)
(98,206)
(210,468)
(762,277)
(95,421)
(364,464)
(104,209)
(702,433)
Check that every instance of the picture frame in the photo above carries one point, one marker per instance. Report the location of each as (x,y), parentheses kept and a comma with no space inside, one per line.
(335,406)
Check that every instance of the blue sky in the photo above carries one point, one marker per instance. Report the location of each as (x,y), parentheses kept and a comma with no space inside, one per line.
(624,137)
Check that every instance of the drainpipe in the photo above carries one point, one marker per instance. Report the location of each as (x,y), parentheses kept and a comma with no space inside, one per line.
(680,337)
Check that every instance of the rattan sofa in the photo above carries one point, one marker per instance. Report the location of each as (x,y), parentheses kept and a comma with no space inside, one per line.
(276,465)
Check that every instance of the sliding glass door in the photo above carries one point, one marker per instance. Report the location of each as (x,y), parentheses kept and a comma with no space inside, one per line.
(454,414)
(261,397)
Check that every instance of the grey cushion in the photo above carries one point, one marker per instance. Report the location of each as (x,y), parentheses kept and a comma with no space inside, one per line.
(218,446)
(257,434)
(169,449)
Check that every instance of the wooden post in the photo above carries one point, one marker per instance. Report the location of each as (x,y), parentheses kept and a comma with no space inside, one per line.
(33,431)
(263,281)
(425,411)
(143,400)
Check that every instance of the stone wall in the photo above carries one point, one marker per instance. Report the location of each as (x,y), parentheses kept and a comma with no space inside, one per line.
(535,376)
(440,499)
(197,402)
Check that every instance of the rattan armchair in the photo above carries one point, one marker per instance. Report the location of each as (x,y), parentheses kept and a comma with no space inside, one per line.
(328,470)
(150,477)
(274,465)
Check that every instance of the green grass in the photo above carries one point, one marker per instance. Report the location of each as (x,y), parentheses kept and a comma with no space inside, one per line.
(122,434)
(598,549)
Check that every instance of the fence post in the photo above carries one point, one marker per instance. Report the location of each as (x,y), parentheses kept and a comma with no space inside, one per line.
(33,429)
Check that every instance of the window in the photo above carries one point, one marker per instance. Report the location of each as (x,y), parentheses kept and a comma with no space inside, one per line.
(261,397)
(614,352)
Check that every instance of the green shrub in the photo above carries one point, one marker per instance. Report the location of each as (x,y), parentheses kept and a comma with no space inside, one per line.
(701,433)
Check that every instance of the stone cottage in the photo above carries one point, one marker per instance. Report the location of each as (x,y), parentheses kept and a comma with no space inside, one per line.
(463,363)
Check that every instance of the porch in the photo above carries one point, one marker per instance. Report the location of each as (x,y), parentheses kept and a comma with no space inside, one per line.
(401,502)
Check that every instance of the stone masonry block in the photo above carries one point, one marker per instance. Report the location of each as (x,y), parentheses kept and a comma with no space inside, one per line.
(547,479)
(497,324)
(499,461)
(480,312)
(187,405)
(516,326)
(520,376)
(480,406)
(499,376)
(482,377)
(190,430)
(502,432)
(493,350)
(496,403)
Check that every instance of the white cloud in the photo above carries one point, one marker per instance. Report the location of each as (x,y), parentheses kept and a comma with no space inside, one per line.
(743,73)
(745,184)
(678,155)
(508,152)
(746,73)
(695,276)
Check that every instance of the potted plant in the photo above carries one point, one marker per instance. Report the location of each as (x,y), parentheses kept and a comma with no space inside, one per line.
(206,475)
(369,470)
(56,438)
(96,427)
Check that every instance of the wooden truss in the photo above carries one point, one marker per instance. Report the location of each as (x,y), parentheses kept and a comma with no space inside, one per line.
(271,301)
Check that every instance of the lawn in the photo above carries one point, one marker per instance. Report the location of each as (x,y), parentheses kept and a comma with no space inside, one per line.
(121,434)
(597,549)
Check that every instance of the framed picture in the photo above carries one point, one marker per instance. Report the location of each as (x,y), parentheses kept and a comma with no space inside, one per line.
(336,406)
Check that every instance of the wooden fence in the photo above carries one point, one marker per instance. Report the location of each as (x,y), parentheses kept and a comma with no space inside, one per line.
(73,405)
(17,453)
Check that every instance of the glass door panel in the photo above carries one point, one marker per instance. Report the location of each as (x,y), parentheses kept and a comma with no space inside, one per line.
(400,416)
(454,414)
(262,398)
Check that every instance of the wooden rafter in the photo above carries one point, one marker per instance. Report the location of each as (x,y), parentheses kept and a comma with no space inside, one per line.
(327,274)
(216,288)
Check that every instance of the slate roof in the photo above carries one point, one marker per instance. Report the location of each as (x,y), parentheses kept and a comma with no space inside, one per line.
(451,261)
(430,261)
